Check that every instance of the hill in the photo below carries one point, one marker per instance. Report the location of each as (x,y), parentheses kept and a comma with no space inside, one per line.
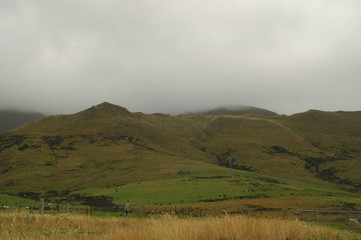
(158,158)
(12,119)
(233,110)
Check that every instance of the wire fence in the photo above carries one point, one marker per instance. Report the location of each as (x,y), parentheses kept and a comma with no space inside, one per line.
(141,210)
(344,219)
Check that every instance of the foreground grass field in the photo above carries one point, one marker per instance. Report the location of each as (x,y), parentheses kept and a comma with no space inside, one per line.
(26,226)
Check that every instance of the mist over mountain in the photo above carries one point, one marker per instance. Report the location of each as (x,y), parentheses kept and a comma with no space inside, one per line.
(233,110)
(177,67)
(10,119)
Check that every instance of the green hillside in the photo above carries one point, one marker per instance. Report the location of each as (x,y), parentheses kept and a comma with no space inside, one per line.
(337,136)
(107,150)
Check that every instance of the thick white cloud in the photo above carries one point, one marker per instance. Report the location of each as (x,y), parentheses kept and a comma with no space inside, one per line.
(175,56)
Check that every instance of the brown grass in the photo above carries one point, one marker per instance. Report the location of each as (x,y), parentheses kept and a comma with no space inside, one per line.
(26,226)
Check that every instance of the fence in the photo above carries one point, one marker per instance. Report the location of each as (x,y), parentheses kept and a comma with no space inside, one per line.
(142,210)
(352,218)
(345,219)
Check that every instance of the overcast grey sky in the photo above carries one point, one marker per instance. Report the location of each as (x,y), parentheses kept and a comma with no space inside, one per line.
(180,55)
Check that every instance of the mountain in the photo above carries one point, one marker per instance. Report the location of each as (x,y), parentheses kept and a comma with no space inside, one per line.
(10,119)
(233,110)
(160,158)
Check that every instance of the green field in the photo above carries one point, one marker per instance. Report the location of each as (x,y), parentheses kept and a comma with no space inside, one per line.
(213,189)
(14,201)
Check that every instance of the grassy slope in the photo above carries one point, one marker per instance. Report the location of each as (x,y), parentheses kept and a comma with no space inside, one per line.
(337,134)
(108,150)
(14,201)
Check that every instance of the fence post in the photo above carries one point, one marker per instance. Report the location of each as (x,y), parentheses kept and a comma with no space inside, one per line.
(19,207)
(58,207)
(215,211)
(126,211)
(31,209)
(141,209)
(297,214)
(6,203)
(41,206)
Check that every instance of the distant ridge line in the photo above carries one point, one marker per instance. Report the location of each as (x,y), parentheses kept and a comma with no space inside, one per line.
(232,110)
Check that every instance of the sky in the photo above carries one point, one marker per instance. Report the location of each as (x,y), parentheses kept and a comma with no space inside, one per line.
(59,57)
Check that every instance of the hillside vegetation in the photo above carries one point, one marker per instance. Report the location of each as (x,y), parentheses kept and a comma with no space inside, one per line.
(108,150)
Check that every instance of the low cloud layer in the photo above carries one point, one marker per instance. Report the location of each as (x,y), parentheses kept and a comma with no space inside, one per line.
(177,56)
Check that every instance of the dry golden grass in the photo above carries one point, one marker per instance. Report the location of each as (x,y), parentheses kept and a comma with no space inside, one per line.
(25,226)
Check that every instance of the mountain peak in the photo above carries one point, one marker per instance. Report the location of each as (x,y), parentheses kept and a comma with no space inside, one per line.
(106,106)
